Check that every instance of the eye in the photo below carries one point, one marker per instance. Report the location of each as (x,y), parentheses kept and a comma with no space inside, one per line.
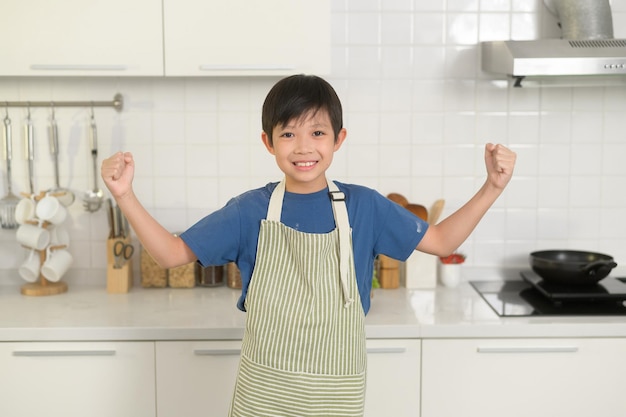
(287,135)
(318,133)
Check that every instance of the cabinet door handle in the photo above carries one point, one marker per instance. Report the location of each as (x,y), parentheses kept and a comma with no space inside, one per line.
(387,350)
(528,349)
(51,67)
(242,67)
(36,353)
(216,352)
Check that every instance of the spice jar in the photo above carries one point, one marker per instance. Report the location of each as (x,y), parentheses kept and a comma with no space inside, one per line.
(234,276)
(210,276)
(152,275)
(182,276)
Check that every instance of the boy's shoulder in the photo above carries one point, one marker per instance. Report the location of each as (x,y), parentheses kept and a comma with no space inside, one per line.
(261,193)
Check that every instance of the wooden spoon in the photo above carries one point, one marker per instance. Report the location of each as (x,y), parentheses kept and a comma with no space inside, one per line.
(435,211)
(398,199)
(419,210)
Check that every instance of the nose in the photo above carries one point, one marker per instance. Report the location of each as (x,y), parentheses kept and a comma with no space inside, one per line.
(303,145)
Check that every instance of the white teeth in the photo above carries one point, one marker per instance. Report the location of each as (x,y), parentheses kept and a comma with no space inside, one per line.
(305,164)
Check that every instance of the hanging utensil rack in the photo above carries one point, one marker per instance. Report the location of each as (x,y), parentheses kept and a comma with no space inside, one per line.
(117,103)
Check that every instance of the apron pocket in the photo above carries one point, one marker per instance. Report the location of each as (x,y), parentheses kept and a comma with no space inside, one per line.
(263,391)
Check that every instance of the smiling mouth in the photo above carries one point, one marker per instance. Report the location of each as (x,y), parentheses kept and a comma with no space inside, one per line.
(305,164)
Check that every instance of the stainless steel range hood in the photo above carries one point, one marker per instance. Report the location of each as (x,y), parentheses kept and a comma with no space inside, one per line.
(555,57)
(589,48)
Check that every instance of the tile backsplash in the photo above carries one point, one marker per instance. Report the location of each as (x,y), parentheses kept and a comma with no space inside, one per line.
(418,110)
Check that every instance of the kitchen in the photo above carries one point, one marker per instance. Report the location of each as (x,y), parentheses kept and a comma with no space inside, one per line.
(418,111)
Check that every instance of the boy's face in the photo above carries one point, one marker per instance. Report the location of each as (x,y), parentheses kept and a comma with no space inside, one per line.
(304,150)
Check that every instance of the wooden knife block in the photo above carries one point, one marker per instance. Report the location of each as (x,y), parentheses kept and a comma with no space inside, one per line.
(119,280)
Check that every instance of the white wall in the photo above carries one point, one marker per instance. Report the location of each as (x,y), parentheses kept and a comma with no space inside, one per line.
(418,110)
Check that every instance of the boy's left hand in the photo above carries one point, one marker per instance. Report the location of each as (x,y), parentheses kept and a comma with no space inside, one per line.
(500,162)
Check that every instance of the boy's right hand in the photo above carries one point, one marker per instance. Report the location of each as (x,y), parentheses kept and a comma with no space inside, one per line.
(117,173)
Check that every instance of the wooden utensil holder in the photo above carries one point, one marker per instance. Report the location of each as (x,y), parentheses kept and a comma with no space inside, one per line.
(119,280)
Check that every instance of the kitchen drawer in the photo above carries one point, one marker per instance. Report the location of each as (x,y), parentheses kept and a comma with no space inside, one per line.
(196,379)
(95,379)
(393,378)
(523,377)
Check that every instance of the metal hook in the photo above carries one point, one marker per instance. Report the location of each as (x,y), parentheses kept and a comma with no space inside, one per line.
(6,110)
(28,107)
(52,109)
(92,113)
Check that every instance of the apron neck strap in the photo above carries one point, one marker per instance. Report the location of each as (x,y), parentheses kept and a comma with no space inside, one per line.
(338,199)
(276,202)
(340,212)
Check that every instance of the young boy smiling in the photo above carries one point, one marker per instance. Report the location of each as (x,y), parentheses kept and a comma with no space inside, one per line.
(305,247)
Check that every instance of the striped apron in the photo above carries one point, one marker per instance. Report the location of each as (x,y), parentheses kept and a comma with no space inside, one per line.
(303,351)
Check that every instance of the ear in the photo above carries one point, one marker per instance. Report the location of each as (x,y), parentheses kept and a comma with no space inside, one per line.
(341,137)
(266,141)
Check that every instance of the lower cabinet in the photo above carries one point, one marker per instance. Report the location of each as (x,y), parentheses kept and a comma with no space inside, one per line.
(406,377)
(393,378)
(197,378)
(77,379)
(523,377)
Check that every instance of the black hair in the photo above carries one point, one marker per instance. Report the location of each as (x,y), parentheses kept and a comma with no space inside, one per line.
(297,96)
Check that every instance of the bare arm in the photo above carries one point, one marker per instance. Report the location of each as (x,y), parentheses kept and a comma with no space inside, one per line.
(168,250)
(443,238)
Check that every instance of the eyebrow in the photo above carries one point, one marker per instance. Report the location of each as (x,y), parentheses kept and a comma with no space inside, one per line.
(315,125)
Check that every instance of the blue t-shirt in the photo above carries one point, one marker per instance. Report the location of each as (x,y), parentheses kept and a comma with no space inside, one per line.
(379,226)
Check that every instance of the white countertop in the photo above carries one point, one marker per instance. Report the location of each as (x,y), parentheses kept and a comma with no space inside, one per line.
(89,313)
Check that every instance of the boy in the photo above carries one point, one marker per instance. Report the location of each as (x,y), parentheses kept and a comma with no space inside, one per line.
(305,248)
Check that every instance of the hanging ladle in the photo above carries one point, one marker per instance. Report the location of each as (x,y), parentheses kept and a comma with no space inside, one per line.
(64,195)
(29,145)
(93,198)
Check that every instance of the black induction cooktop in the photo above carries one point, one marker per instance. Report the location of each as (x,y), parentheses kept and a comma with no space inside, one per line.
(531,296)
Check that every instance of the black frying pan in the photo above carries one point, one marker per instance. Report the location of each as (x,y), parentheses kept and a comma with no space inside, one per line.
(571,267)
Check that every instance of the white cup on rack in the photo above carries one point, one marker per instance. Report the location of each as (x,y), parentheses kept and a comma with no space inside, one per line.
(29,269)
(51,210)
(32,236)
(56,265)
(25,210)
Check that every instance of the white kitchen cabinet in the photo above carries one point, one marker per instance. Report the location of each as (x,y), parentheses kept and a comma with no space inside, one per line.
(196,379)
(77,379)
(164,37)
(246,37)
(77,37)
(393,378)
(523,377)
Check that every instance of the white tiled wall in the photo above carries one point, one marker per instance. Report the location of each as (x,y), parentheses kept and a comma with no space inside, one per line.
(418,110)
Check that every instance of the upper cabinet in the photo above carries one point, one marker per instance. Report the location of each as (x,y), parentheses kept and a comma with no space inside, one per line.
(164,37)
(77,37)
(246,37)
